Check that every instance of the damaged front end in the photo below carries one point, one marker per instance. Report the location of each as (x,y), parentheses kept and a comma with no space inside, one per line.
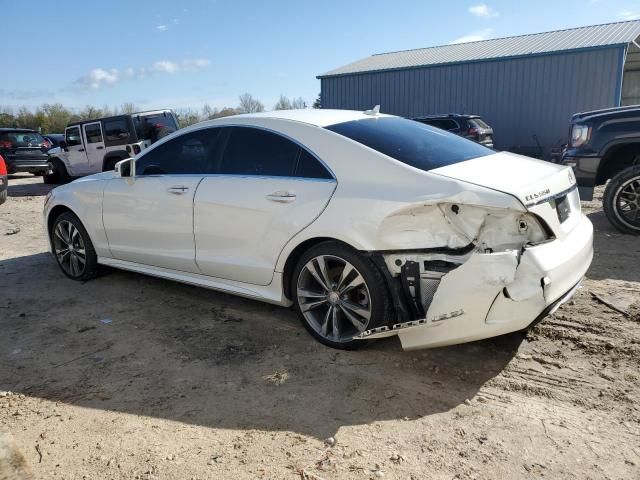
(484,271)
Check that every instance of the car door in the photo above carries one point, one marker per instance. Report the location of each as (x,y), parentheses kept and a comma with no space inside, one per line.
(150,220)
(268,189)
(94,146)
(74,152)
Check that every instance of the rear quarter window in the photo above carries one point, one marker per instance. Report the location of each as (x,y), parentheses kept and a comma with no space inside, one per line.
(413,143)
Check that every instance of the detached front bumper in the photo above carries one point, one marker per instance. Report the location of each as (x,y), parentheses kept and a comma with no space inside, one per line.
(493,294)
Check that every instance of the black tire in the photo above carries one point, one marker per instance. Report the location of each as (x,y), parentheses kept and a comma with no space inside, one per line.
(621,201)
(79,241)
(110,164)
(59,175)
(3,197)
(373,298)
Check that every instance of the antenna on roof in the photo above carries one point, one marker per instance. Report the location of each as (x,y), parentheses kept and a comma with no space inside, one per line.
(374,111)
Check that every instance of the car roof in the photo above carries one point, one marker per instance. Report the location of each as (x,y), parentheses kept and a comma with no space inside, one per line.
(99,119)
(2,130)
(310,116)
(447,115)
(628,110)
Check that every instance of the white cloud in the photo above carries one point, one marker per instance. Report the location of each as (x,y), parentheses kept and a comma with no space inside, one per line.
(165,66)
(100,77)
(474,36)
(161,28)
(629,15)
(483,10)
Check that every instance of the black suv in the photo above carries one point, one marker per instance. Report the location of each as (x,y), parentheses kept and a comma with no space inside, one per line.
(605,145)
(24,150)
(467,126)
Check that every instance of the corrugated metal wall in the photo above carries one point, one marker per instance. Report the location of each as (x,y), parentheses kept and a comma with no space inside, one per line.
(518,97)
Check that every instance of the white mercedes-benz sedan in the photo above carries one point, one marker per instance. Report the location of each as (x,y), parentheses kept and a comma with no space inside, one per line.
(370,225)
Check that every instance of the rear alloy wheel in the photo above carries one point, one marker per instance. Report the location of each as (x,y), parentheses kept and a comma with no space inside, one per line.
(621,201)
(339,295)
(73,249)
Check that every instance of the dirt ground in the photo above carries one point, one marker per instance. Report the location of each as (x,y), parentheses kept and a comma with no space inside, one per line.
(133,377)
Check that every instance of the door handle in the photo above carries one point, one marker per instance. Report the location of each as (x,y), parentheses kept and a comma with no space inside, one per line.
(99,148)
(178,189)
(281,197)
(81,149)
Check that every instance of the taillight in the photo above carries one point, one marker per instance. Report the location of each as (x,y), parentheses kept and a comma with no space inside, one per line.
(472,131)
(136,149)
(5,144)
(3,166)
(47,144)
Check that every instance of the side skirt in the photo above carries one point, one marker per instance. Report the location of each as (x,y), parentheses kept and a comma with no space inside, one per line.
(271,293)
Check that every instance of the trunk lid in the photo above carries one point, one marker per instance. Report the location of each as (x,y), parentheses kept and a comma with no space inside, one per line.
(530,181)
(545,189)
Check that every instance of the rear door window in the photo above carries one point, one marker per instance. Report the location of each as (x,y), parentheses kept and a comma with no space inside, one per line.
(252,151)
(310,167)
(93,133)
(116,130)
(409,142)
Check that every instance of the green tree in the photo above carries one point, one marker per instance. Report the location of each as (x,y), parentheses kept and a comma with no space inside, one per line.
(318,101)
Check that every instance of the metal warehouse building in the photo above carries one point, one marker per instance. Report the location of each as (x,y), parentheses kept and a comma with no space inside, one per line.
(525,87)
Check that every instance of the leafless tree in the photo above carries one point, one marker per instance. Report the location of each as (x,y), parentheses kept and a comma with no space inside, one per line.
(248,104)
(283,103)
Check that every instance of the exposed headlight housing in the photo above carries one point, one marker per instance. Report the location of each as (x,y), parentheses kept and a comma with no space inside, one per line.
(580,134)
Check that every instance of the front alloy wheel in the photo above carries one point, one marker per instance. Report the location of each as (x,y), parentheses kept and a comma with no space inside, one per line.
(69,249)
(339,295)
(72,248)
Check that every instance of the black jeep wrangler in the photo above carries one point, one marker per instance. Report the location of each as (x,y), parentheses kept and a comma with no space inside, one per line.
(605,145)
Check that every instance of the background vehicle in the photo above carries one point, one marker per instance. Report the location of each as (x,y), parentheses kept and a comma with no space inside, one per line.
(467,126)
(4,181)
(441,232)
(54,139)
(24,150)
(93,146)
(605,146)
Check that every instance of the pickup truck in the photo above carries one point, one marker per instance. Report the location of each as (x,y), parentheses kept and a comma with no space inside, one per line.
(604,148)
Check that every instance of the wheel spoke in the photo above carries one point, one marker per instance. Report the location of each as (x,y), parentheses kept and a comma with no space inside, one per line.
(310,267)
(323,271)
(346,271)
(305,307)
(60,233)
(311,294)
(355,321)
(335,322)
(356,282)
(325,322)
(357,309)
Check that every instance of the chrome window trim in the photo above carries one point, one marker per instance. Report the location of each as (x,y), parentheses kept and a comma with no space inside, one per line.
(284,135)
(238,175)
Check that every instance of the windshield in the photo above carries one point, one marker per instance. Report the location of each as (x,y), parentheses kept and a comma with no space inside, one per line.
(154,127)
(478,123)
(413,143)
(22,139)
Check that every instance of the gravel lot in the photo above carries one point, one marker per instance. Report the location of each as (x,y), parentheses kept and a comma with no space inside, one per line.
(129,376)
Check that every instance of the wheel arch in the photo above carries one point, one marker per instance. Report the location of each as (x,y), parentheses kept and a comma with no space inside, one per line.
(617,157)
(121,154)
(54,213)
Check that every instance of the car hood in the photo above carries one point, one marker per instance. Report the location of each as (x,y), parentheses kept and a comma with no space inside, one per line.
(530,181)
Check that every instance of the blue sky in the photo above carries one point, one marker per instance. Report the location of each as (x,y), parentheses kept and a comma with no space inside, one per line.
(184,54)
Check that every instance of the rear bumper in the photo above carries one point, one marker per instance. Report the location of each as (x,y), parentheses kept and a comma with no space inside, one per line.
(497,293)
(31,165)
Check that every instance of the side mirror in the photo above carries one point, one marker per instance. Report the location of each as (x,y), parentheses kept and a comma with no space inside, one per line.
(126,168)
(62,144)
